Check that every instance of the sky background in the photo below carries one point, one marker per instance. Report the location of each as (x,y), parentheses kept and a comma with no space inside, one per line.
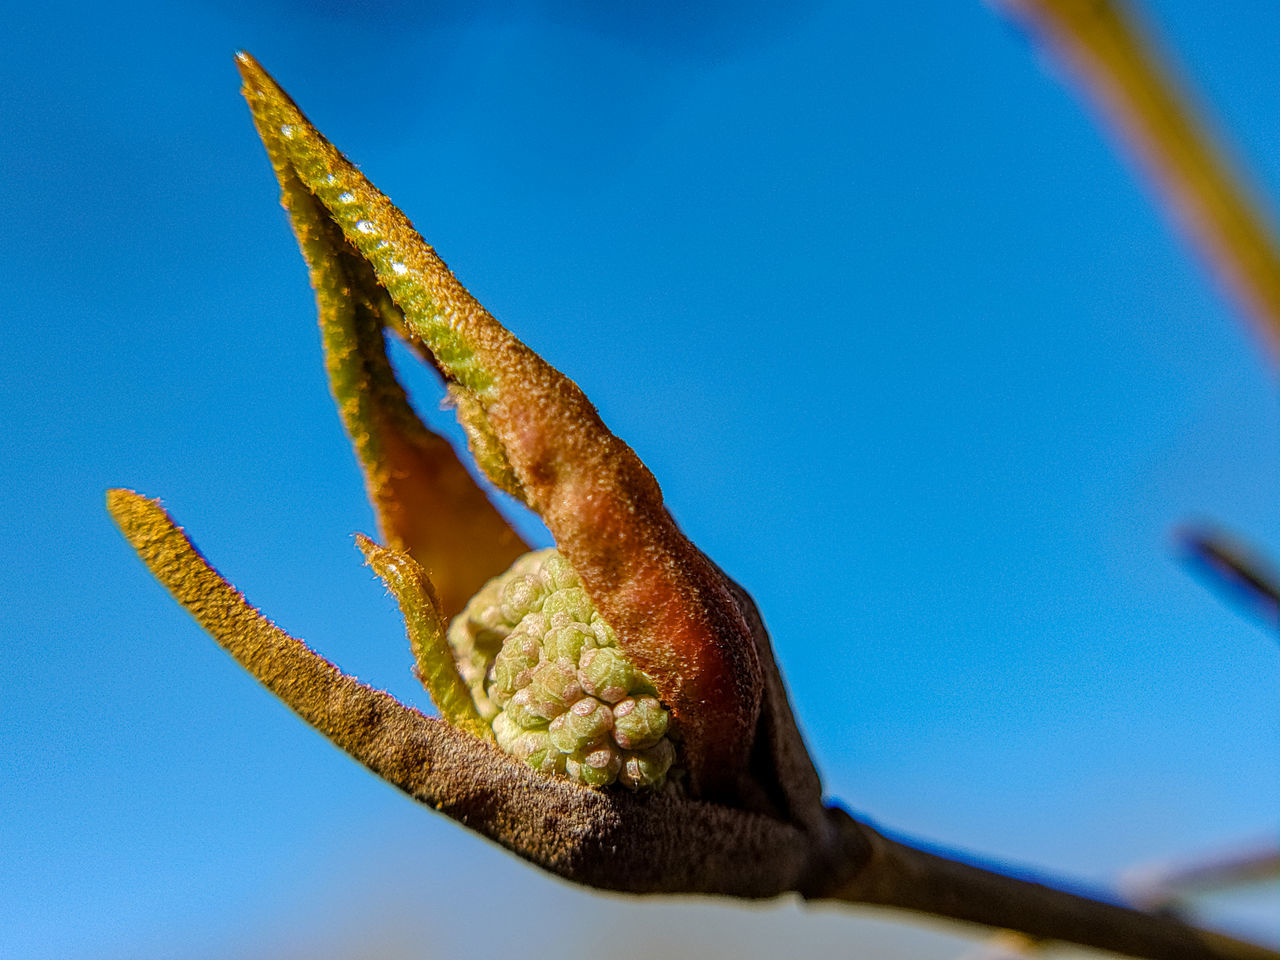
(907,343)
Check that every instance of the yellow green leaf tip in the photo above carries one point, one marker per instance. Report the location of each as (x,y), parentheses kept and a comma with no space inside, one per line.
(425,627)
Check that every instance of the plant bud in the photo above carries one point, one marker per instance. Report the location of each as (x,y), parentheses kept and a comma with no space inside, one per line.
(594,766)
(639,722)
(647,768)
(513,667)
(585,723)
(555,573)
(606,673)
(547,672)
(568,606)
(569,642)
(555,687)
(521,595)
(526,712)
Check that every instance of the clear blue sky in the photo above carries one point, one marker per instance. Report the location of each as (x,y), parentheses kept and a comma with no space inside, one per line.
(905,340)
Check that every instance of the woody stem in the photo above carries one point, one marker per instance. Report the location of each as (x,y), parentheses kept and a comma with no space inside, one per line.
(900,875)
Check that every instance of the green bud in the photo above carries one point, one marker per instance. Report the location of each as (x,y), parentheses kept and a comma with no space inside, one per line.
(588,721)
(571,605)
(521,595)
(569,642)
(546,758)
(605,637)
(532,746)
(594,766)
(647,768)
(514,665)
(547,672)
(554,687)
(556,573)
(525,711)
(606,673)
(505,732)
(639,722)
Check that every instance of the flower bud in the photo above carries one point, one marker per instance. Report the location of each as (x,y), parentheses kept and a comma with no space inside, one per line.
(554,687)
(594,766)
(547,672)
(521,595)
(555,573)
(568,606)
(514,665)
(585,723)
(569,642)
(526,712)
(647,768)
(639,722)
(606,673)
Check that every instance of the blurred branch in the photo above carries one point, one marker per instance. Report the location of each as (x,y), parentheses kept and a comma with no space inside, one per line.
(1104,43)
(1168,885)
(1161,887)
(908,877)
(1233,569)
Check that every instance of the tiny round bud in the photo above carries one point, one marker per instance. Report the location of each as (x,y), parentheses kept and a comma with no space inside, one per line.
(547,759)
(556,574)
(525,710)
(554,687)
(567,606)
(516,740)
(586,722)
(505,730)
(639,722)
(605,673)
(530,742)
(647,768)
(513,667)
(568,642)
(604,634)
(596,766)
(521,595)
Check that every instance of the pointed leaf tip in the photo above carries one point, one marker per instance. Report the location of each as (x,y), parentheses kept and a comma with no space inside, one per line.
(131,511)
(249,68)
(425,626)
(118,498)
(413,476)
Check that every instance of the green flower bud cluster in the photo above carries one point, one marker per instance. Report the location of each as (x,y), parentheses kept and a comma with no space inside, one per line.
(547,672)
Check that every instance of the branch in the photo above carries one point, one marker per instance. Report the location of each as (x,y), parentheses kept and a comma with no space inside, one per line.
(1165,885)
(1235,570)
(907,877)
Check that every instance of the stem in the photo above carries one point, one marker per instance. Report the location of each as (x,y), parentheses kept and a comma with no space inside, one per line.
(907,877)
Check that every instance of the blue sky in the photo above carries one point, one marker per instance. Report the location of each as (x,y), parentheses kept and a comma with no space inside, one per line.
(906,341)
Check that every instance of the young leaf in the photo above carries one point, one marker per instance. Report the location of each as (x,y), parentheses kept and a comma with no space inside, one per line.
(673,611)
(425,626)
(427,502)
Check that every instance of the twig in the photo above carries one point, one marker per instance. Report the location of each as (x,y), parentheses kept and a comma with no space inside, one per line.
(1235,570)
(1157,886)
(899,875)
